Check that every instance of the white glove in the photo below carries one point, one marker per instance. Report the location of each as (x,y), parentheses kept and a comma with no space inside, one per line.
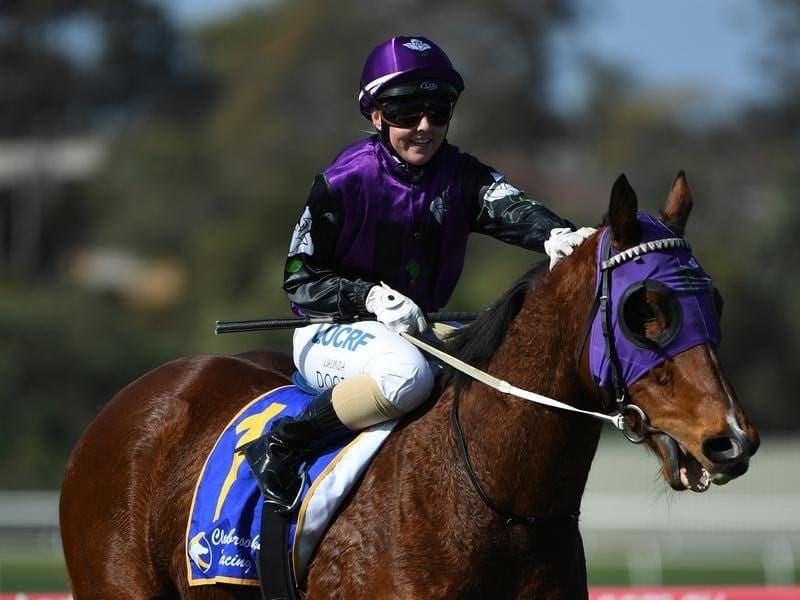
(563,240)
(396,311)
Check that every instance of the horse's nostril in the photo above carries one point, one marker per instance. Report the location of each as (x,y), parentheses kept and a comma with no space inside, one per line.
(722,449)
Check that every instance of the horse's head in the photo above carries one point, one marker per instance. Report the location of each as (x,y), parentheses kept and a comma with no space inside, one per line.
(653,343)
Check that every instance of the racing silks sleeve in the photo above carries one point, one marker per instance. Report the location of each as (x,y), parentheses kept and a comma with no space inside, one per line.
(504,212)
(310,278)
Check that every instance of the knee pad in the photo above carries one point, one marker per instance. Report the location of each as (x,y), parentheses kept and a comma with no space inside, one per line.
(359,403)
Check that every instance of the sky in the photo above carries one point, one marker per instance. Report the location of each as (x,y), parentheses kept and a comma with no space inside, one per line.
(710,47)
(193,12)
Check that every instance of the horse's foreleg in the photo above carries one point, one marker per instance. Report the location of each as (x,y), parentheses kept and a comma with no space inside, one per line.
(560,569)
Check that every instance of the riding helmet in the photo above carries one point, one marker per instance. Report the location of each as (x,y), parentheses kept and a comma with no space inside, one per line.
(407,66)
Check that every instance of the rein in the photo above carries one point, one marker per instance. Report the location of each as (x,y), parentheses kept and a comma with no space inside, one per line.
(618,420)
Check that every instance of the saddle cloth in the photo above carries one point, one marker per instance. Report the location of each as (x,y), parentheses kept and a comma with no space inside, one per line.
(222,534)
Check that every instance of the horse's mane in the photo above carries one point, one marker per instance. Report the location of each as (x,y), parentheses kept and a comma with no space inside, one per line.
(476,342)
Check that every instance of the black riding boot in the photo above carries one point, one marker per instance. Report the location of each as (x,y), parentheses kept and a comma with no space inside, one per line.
(276,457)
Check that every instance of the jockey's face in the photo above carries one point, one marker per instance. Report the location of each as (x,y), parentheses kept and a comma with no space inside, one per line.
(417,144)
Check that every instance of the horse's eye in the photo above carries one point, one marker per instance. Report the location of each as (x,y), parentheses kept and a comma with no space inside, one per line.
(650,314)
(638,312)
(645,309)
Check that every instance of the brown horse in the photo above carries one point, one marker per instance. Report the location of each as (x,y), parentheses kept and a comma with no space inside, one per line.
(416,525)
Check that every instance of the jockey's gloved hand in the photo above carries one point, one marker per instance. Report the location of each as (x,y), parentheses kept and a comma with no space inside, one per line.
(398,312)
(563,240)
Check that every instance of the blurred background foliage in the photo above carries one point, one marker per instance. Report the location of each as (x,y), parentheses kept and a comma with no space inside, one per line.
(150,177)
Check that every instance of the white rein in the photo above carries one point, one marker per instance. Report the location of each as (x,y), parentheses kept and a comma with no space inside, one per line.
(617,420)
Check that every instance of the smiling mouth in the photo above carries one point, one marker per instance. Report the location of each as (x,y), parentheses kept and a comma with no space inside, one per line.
(685,471)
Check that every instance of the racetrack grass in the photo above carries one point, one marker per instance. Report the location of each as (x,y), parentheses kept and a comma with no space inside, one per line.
(50,575)
(749,573)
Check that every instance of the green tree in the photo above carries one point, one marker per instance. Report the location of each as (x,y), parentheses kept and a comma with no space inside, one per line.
(69,67)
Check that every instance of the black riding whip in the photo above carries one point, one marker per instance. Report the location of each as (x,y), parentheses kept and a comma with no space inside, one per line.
(292,322)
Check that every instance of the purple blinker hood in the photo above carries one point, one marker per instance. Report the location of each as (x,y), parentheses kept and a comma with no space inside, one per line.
(678,270)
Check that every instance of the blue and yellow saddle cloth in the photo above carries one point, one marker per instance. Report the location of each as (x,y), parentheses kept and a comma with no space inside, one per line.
(222,536)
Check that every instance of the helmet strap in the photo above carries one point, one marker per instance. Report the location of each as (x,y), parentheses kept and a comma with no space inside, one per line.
(383,133)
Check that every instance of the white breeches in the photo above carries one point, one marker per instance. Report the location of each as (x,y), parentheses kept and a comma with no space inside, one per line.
(327,354)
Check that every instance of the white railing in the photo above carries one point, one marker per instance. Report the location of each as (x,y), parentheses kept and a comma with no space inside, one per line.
(629,517)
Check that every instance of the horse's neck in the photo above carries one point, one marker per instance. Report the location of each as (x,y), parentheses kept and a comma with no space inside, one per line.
(541,455)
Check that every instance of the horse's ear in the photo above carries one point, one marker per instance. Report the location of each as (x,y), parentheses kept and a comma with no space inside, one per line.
(679,205)
(622,209)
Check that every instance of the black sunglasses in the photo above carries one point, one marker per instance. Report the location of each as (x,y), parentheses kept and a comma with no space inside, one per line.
(407,112)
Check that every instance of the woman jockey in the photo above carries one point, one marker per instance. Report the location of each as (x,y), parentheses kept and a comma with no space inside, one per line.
(382,238)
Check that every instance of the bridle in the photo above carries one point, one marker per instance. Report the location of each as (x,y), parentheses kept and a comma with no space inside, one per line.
(622,404)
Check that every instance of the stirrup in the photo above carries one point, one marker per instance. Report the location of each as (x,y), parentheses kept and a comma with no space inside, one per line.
(279,505)
(259,453)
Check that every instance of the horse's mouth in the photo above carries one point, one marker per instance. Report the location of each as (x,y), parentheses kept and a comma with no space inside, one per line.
(682,470)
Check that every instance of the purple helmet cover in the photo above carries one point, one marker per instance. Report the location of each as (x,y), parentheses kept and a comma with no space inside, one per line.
(402,59)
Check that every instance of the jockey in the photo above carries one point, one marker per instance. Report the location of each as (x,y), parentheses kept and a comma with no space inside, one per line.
(382,239)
